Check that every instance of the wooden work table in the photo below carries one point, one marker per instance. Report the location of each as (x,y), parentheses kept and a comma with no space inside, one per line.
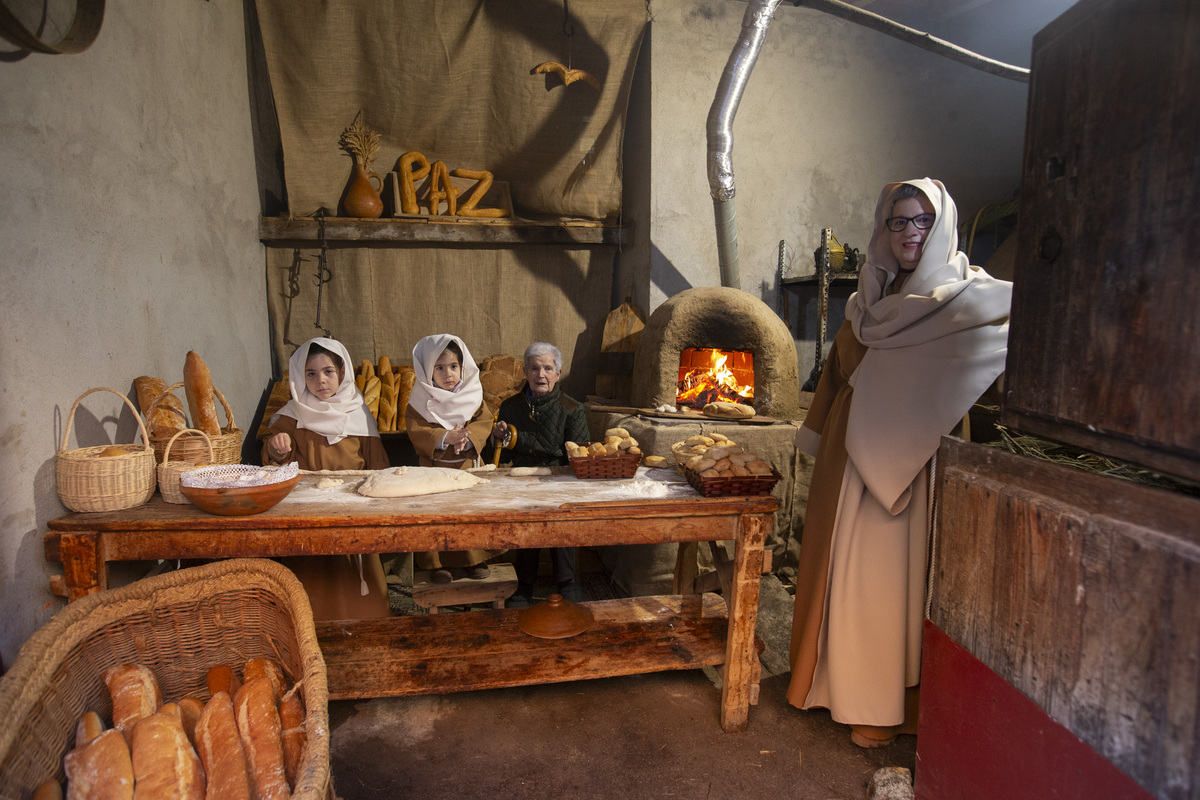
(484,649)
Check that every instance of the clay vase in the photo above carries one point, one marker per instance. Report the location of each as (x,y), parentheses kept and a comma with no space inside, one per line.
(362,199)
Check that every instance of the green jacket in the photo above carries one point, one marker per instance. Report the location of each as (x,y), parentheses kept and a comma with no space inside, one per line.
(542,425)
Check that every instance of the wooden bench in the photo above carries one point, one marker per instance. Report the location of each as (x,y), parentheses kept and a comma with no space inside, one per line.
(494,589)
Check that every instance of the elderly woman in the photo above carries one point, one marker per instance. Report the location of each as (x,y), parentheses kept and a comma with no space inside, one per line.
(925,335)
(533,424)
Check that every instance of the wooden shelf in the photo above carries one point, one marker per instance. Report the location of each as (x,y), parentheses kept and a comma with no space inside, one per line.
(811,280)
(305,231)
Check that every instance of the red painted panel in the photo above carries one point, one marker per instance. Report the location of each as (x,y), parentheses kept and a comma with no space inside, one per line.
(980,738)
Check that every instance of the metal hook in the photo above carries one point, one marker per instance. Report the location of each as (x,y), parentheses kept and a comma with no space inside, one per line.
(567,28)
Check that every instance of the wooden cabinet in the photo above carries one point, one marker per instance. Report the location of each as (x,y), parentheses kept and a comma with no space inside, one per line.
(1083,592)
(1104,352)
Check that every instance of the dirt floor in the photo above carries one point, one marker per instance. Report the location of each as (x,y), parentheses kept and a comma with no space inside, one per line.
(645,736)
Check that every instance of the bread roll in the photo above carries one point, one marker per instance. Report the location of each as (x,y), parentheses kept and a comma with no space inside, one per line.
(48,790)
(260,731)
(221,679)
(291,719)
(190,709)
(164,763)
(655,462)
(627,443)
(633,451)
(405,379)
(269,669)
(726,410)
(88,728)
(221,752)
(202,404)
(135,695)
(166,419)
(101,770)
(620,433)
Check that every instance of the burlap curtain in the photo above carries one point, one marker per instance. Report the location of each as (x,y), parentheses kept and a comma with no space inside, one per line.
(452,79)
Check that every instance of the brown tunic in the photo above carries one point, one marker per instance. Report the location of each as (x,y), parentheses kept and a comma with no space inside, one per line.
(332,582)
(425,437)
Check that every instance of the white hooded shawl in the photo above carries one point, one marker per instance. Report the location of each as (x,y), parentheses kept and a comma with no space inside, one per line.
(449,409)
(340,416)
(933,349)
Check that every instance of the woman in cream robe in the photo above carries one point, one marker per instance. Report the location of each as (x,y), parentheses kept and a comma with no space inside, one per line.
(923,339)
(338,433)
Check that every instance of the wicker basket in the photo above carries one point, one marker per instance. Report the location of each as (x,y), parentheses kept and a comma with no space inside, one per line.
(179,625)
(737,486)
(88,481)
(169,471)
(226,448)
(617,466)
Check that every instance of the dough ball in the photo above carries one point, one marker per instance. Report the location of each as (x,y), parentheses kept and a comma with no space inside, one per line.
(709,473)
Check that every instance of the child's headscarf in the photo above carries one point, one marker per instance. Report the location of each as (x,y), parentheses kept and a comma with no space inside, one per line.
(344,414)
(448,409)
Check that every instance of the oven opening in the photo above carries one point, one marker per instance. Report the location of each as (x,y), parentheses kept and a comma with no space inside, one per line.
(707,375)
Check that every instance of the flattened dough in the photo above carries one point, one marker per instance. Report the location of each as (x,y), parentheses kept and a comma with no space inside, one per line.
(411,481)
(727,410)
(329,483)
(522,472)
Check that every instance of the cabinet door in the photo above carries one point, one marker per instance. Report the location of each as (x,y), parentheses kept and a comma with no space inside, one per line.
(1104,351)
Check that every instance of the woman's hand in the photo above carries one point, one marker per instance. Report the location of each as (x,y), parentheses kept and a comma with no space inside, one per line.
(500,431)
(457,440)
(279,445)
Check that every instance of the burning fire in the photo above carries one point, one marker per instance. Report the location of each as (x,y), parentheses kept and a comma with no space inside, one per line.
(707,376)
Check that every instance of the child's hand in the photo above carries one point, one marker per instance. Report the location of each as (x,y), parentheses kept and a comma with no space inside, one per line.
(457,440)
(280,444)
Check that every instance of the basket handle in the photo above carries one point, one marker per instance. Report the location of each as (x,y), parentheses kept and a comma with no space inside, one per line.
(216,393)
(207,440)
(136,415)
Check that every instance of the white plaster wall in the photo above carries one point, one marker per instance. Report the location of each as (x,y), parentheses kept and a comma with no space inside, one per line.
(831,112)
(129,233)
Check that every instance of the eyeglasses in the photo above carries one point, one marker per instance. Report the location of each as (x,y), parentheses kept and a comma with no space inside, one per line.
(921,222)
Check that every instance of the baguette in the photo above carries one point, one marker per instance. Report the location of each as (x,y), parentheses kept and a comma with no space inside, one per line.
(190,709)
(261,734)
(371,395)
(269,669)
(387,404)
(221,752)
(202,404)
(164,763)
(291,720)
(88,728)
(384,367)
(135,695)
(100,770)
(167,418)
(404,383)
(221,679)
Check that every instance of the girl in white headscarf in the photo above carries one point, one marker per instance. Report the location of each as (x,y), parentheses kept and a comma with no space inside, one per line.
(925,335)
(326,425)
(448,424)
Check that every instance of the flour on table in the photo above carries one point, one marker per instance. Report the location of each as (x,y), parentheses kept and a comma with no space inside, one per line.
(411,481)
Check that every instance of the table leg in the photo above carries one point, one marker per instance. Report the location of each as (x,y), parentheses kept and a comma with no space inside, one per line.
(740,653)
(84,569)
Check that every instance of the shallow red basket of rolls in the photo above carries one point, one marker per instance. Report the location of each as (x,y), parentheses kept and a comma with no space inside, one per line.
(178,625)
(736,486)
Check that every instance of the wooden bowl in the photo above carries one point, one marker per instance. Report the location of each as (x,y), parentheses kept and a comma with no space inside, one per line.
(239,501)
(555,618)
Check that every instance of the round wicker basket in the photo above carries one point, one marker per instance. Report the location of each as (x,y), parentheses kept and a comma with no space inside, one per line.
(169,471)
(226,448)
(88,481)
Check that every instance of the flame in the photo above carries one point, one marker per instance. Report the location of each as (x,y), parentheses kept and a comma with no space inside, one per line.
(712,382)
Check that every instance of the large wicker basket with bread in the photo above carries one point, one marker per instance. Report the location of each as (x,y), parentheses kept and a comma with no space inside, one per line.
(194,448)
(104,477)
(179,625)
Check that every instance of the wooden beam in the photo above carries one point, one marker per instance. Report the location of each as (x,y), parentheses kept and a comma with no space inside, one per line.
(306,231)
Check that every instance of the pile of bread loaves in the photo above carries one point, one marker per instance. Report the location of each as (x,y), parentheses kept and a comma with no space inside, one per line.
(715,455)
(247,740)
(385,390)
(617,442)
